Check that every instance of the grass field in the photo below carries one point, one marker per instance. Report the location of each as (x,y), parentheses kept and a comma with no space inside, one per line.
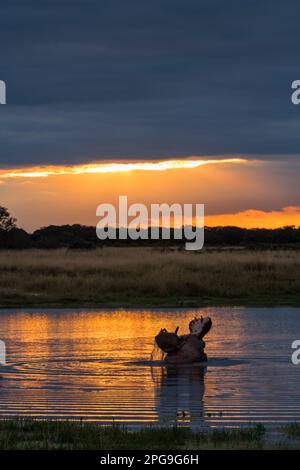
(148,277)
(58,435)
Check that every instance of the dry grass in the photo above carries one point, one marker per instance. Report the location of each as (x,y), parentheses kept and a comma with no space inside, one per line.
(131,276)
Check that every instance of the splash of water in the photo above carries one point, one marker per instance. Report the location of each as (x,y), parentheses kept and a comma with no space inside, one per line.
(157,354)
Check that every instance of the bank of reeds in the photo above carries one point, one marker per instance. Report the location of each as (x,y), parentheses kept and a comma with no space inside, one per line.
(148,276)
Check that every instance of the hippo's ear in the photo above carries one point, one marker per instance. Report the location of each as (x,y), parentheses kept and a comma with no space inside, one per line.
(176,331)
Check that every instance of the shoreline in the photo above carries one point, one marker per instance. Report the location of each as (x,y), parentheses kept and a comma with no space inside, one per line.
(154,303)
(150,306)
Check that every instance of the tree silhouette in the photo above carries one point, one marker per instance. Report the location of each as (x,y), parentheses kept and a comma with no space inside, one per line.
(7,222)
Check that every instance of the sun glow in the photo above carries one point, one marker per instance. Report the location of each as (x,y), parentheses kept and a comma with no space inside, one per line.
(112,167)
(235,191)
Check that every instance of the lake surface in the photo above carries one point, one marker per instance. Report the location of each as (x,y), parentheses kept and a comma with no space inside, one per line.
(94,365)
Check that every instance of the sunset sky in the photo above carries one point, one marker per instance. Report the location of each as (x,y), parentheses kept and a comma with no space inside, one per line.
(163,101)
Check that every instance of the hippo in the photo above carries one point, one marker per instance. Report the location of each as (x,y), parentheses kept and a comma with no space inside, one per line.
(186,348)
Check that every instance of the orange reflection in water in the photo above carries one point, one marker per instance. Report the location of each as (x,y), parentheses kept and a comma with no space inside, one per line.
(94,365)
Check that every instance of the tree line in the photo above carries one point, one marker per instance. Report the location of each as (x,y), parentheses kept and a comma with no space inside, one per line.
(78,236)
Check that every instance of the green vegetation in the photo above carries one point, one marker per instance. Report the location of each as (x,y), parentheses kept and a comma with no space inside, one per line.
(25,434)
(148,277)
(30,434)
(292,430)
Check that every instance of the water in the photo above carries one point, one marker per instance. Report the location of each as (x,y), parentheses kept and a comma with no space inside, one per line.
(95,365)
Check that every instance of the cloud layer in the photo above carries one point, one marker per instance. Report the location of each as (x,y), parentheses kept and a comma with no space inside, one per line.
(89,80)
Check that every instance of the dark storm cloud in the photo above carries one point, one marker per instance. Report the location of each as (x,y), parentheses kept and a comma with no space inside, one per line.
(137,79)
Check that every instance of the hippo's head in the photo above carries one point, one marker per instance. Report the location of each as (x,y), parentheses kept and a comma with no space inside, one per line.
(168,342)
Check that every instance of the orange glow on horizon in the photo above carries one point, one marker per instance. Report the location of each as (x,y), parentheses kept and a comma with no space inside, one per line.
(235,191)
(252,218)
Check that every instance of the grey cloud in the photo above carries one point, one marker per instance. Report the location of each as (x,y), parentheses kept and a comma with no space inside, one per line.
(93,79)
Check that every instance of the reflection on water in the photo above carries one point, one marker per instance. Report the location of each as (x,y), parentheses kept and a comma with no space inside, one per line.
(179,394)
(96,365)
